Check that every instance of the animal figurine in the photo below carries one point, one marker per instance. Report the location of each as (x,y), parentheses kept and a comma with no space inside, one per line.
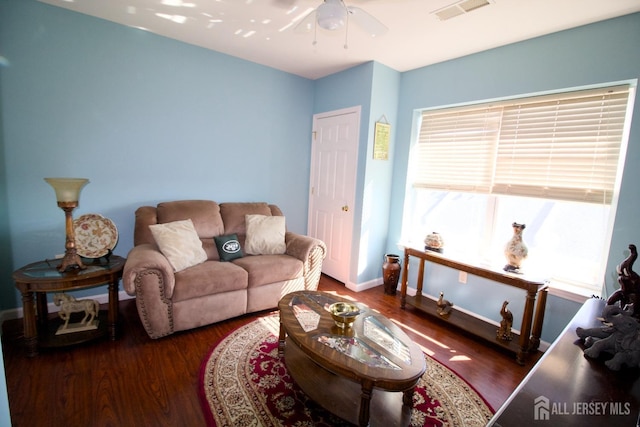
(516,250)
(69,305)
(629,284)
(619,336)
(504,333)
(443,306)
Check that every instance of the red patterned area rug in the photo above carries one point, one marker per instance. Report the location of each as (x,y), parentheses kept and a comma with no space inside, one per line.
(243,382)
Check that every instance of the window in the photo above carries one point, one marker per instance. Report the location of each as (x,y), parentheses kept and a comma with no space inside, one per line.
(550,162)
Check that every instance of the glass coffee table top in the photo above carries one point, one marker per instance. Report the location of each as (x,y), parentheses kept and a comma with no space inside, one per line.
(372,361)
(369,341)
(357,349)
(381,335)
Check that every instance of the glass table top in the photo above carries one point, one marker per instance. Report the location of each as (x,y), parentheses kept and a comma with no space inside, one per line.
(361,342)
(48,268)
(381,335)
(357,349)
(307,317)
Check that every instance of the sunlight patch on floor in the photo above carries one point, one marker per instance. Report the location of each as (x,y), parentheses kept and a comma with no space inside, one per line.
(460,358)
(428,338)
(455,358)
(426,351)
(344,297)
(272,322)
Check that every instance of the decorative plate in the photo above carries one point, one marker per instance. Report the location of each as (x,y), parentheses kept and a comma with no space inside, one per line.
(95,235)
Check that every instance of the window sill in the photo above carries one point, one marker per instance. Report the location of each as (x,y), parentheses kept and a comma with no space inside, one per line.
(557,288)
(570,292)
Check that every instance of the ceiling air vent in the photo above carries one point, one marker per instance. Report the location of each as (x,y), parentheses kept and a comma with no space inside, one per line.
(459,8)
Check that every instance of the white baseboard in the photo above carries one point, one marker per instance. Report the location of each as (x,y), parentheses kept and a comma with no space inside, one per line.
(17,313)
(364,286)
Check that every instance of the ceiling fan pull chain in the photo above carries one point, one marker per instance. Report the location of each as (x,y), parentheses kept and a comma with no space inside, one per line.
(315,32)
(346,32)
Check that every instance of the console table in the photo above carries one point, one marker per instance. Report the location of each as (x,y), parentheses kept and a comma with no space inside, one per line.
(41,277)
(532,318)
(566,388)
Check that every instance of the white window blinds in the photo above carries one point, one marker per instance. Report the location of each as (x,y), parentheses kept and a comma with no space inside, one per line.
(562,146)
(456,149)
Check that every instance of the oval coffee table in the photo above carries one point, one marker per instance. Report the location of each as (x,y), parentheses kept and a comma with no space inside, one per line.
(366,372)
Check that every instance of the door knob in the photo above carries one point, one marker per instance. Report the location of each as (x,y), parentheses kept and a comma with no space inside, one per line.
(345,208)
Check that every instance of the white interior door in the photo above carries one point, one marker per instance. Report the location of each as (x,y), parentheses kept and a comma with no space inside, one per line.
(334,162)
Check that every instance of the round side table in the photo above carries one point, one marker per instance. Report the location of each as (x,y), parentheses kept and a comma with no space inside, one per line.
(38,278)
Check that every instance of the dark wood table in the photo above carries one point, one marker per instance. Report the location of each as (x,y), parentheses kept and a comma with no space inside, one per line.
(532,319)
(566,388)
(366,372)
(39,278)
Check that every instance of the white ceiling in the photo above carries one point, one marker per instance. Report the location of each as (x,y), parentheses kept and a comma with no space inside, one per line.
(260,30)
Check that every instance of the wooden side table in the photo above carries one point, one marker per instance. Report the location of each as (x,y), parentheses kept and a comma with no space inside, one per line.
(529,338)
(38,278)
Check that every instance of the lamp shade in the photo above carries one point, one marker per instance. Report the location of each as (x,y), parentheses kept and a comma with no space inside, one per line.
(331,15)
(67,189)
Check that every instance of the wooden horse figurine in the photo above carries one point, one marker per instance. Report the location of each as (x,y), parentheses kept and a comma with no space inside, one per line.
(69,305)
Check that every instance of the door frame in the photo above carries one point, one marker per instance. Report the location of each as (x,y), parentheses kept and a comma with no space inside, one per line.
(357,110)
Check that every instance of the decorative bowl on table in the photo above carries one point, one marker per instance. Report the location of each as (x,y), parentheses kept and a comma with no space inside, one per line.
(344,313)
(96,236)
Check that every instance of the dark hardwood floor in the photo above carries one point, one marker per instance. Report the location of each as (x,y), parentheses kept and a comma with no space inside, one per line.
(137,381)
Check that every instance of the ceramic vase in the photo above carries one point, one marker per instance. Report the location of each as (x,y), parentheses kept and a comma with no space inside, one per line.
(515,250)
(391,268)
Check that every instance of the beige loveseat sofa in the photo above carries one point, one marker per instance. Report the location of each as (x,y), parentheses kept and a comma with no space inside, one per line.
(179,279)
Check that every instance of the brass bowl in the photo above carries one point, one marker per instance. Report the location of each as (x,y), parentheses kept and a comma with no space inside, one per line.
(344,313)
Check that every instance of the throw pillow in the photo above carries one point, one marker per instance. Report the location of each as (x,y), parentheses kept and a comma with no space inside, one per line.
(265,235)
(179,242)
(228,247)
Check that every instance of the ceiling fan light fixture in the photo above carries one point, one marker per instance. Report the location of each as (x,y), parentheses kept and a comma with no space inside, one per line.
(331,15)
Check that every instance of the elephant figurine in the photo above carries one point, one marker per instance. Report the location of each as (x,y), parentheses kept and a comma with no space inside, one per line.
(629,282)
(619,336)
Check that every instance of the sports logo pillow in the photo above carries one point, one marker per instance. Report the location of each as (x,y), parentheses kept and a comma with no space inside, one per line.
(228,247)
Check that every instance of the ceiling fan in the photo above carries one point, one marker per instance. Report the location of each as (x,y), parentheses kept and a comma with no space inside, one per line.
(333,15)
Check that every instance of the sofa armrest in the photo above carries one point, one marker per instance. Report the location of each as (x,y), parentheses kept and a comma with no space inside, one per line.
(299,246)
(311,252)
(143,259)
(149,276)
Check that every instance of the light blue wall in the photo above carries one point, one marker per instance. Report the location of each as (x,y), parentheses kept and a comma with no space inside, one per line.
(146,119)
(5,264)
(374,87)
(590,55)
(376,195)
(150,119)
(5,418)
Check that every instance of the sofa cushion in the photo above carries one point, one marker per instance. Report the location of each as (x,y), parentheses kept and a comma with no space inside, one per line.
(233,215)
(209,278)
(179,242)
(265,235)
(266,269)
(205,215)
(228,247)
